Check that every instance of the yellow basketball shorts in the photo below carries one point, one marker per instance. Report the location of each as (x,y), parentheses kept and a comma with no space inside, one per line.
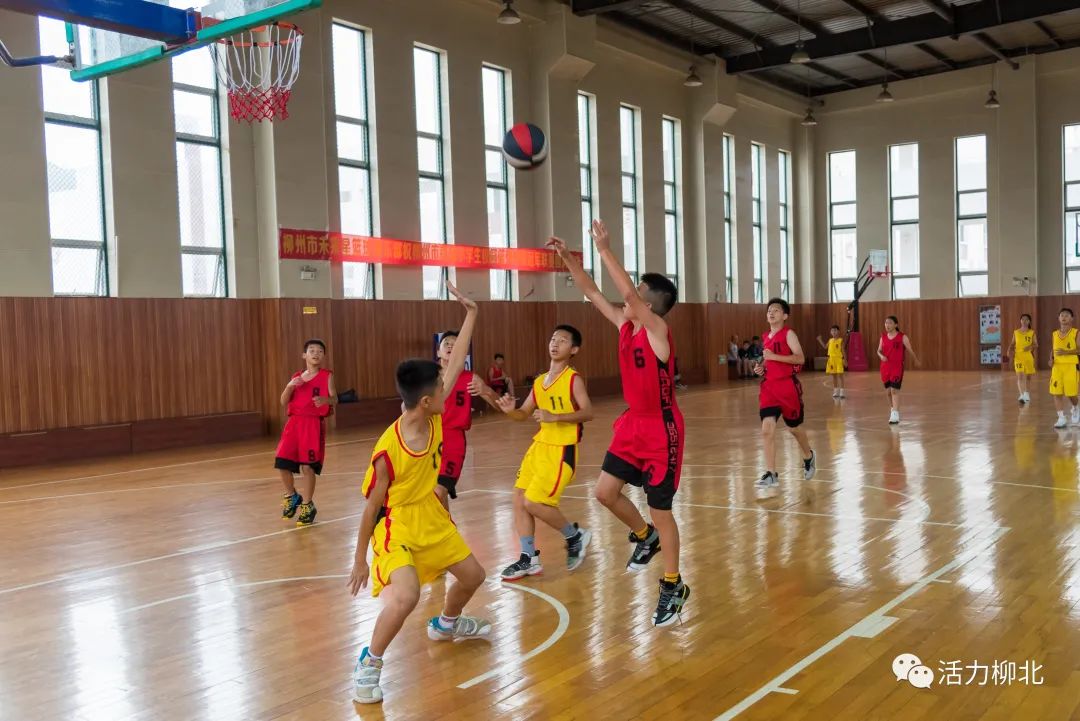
(1024,363)
(545,471)
(1064,380)
(430,545)
(835,367)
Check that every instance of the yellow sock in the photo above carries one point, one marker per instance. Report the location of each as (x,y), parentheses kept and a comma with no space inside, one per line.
(671,577)
(643,533)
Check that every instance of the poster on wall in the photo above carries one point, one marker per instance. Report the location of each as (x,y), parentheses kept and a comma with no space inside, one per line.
(990,324)
(990,355)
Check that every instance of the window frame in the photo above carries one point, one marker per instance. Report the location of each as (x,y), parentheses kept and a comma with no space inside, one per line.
(833,227)
(960,219)
(634,176)
(587,170)
(672,127)
(894,224)
(440,174)
(757,218)
(506,186)
(50,117)
(730,250)
(784,160)
(369,290)
(1073,268)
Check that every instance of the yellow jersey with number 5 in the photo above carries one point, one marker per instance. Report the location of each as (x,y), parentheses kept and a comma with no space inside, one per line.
(557,397)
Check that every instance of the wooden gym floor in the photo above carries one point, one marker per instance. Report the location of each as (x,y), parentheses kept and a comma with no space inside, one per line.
(166,586)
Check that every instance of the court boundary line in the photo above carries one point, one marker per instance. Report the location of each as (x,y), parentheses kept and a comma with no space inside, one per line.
(551,640)
(230,586)
(777,682)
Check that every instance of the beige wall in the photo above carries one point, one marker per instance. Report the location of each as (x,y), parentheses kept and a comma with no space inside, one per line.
(286,174)
(1024,169)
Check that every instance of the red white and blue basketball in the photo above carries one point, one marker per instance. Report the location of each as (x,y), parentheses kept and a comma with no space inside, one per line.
(525,146)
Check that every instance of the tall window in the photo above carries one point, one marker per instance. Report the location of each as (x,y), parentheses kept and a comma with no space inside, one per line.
(586,105)
(729,218)
(631,187)
(904,219)
(199,174)
(843,246)
(1071,162)
(971,237)
(354,150)
(672,195)
(757,173)
(496,123)
(430,152)
(786,248)
(76,184)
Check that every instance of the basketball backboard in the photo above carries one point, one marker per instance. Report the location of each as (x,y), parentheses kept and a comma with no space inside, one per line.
(99,51)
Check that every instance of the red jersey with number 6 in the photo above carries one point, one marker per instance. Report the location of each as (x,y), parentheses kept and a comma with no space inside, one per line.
(457,414)
(648,384)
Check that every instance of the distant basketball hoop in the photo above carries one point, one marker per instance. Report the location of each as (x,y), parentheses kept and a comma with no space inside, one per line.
(258,68)
(879,263)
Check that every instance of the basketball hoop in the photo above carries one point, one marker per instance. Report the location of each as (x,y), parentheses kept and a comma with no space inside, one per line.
(258,68)
(879,263)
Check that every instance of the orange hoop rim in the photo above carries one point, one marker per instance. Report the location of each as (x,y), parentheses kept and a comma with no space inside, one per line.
(297,33)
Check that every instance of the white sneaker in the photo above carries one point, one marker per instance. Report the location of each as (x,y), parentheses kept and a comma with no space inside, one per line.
(1061,422)
(894,418)
(365,675)
(1027,397)
(836,393)
(1075,420)
(842,394)
(1020,398)
(464,627)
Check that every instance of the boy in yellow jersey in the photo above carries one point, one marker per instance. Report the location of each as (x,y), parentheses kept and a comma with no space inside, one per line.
(561,404)
(1024,342)
(1064,376)
(834,366)
(411,534)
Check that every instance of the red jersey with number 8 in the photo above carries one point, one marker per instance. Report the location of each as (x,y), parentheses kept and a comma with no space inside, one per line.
(302,401)
(457,414)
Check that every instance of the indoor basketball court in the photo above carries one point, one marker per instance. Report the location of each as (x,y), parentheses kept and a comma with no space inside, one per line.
(235,238)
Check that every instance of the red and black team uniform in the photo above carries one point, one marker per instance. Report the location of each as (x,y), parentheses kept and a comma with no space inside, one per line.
(892,368)
(456,420)
(498,380)
(647,449)
(303,440)
(781,394)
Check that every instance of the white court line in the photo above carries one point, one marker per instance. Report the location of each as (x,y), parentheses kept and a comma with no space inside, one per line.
(171,485)
(777,683)
(564,623)
(755,509)
(251,584)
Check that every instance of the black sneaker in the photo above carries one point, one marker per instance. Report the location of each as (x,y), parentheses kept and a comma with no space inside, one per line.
(306,513)
(809,466)
(643,550)
(523,567)
(672,598)
(289,505)
(575,548)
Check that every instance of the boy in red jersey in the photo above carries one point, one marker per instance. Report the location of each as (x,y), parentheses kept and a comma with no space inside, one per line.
(780,394)
(457,420)
(308,398)
(647,447)
(499,381)
(891,350)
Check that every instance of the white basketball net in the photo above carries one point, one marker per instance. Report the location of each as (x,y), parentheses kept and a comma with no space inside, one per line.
(258,68)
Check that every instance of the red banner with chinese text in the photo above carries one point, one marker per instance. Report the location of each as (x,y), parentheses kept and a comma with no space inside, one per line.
(296,244)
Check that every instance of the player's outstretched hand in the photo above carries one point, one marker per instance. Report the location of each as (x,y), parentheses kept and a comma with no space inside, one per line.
(476,386)
(600,236)
(469,303)
(759,369)
(506,403)
(559,246)
(359,577)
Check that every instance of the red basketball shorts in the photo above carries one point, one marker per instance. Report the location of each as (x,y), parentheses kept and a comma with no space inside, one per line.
(892,375)
(303,443)
(781,398)
(647,451)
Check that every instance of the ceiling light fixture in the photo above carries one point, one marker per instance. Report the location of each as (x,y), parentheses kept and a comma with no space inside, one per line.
(800,56)
(509,15)
(885,96)
(809,120)
(992,102)
(693,80)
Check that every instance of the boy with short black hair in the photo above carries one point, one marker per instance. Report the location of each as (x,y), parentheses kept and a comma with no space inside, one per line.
(561,404)
(411,534)
(308,398)
(780,395)
(497,379)
(647,447)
